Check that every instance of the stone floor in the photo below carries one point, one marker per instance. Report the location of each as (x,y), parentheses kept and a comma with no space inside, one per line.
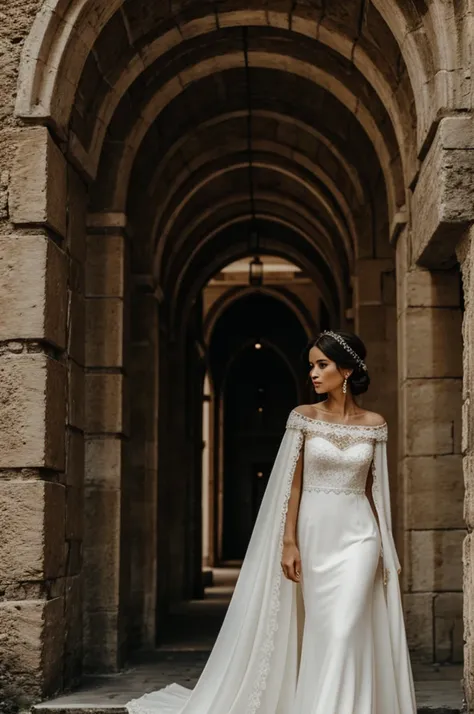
(182,654)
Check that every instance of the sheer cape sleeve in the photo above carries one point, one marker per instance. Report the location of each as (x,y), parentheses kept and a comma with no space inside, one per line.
(253,665)
(381,496)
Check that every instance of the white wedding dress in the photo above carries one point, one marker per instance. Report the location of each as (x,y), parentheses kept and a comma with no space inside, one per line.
(336,643)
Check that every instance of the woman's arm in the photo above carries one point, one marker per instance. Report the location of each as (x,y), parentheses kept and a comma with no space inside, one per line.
(290,560)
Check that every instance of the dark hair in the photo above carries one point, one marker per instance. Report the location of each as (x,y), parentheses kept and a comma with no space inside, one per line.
(359,380)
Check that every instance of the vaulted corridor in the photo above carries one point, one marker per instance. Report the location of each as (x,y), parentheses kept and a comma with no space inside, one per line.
(189,191)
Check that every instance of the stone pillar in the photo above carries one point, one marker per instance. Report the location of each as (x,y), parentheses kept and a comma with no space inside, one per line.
(40,512)
(429,329)
(105,536)
(143,474)
(375,322)
(465,253)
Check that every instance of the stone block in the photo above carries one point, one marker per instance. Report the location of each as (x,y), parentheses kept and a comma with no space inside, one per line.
(104,462)
(76,215)
(104,321)
(425,436)
(419,624)
(32,523)
(75,458)
(104,403)
(434,492)
(74,512)
(73,631)
(102,549)
(369,280)
(101,642)
(468,474)
(38,186)
(32,634)
(105,266)
(448,612)
(429,331)
(33,279)
(436,560)
(371,322)
(77,327)
(441,201)
(76,397)
(432,288)
(33,412)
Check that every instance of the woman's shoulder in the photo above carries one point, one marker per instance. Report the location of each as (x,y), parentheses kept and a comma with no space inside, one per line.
(372,419)
(367,418)
(305,410)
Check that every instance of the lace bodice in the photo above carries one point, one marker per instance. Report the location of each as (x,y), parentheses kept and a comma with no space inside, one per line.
(337,457)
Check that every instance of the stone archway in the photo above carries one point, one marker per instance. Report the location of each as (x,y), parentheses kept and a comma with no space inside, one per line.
(363,136)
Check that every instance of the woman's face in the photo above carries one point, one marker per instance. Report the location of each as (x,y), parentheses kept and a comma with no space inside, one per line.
(324,373)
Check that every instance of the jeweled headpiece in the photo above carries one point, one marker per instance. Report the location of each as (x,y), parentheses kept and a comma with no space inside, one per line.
(349,349)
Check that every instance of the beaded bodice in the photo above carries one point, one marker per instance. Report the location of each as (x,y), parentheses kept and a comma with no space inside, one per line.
(337,457)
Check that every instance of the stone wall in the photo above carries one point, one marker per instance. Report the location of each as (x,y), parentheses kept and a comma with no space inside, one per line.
(42,418)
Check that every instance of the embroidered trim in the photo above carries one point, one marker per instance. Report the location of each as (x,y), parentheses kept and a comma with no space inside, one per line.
(335,489)
(337,433)
(268,644)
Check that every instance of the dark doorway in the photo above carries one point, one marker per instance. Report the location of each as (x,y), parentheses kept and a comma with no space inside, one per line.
(260,390)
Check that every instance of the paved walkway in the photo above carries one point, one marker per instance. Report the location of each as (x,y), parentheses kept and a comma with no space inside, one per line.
(191,631)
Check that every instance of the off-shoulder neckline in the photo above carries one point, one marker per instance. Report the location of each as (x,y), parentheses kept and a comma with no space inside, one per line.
(336,423)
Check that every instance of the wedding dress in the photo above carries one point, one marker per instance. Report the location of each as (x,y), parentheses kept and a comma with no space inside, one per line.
(336,643)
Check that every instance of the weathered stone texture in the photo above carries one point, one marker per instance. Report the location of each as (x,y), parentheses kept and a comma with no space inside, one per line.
(102,549)
(32,289)
(104,403)
(32,520)
(448,627)
(105,266)
(32,394)
(104,347)
(440,209)
(418,609)
(429,332)
(423,398)
(73,652)
(77,200)
(435,560)
(38,187)
(104,462)
(76,397)
(32,648)
(434,492)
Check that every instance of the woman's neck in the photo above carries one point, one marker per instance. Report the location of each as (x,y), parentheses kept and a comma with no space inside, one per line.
(341,405)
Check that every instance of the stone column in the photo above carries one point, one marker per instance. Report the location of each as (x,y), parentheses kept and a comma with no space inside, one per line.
(375,322)
(431,367)
(105,537)
(465,253)
(40,346)
(429,319)
(143,474)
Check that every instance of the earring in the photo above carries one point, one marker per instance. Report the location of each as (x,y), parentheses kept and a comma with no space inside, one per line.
(344,386)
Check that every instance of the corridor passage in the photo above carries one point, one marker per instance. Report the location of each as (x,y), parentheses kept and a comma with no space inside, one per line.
(188,636)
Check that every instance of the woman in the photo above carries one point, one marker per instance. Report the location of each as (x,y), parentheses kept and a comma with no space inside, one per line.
(315,625)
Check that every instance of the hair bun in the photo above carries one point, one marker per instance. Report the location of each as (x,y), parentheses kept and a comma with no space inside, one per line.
(359,381)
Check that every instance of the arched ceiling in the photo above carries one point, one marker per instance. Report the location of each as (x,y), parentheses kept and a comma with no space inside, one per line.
(155,100)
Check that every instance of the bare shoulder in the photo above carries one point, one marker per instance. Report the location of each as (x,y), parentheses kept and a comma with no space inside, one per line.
(372,419)
(305,409)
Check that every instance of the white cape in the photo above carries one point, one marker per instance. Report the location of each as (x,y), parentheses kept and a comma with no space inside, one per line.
(254,663)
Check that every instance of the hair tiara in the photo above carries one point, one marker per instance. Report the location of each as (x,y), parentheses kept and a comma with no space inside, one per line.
(349,349)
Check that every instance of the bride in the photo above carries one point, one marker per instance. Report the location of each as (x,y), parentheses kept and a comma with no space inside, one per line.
(315,625)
